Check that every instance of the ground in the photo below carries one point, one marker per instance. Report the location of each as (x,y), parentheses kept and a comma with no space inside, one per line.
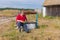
(48,29)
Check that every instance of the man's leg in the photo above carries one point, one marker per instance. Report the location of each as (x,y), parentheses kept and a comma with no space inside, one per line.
(19,26)
(25,28)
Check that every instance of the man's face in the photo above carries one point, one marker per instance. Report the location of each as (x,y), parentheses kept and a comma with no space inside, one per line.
(22,12)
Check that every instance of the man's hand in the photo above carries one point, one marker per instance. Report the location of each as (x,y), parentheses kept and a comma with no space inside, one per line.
(20,21)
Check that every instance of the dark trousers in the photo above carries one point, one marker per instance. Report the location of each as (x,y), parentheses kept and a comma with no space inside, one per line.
(23,25)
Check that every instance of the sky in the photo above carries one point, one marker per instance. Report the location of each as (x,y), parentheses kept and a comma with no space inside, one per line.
(21,3)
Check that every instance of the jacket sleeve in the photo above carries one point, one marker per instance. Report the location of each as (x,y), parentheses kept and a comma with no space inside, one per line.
(25,17)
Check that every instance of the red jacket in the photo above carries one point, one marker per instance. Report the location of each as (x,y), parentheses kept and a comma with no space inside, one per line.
(21,17)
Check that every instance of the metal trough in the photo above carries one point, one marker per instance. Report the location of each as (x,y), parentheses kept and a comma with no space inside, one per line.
(31,25)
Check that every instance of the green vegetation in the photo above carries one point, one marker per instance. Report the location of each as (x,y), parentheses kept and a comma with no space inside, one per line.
(40,15)
(49,17)
(14,9)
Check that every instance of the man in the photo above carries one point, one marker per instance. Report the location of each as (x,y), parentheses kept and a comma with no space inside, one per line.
(20,21)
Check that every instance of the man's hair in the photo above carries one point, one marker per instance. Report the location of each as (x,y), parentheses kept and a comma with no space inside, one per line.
(21,11)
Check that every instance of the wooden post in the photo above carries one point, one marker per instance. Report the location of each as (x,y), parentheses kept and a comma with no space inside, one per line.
(37,20)
(44,11)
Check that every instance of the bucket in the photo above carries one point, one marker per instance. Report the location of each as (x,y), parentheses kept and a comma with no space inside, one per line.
(31,25)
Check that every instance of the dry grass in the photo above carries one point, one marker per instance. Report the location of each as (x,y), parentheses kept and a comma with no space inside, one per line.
(49,29)
(8,12)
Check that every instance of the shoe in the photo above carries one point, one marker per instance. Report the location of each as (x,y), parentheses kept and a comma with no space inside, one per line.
(16,28)
(28,32)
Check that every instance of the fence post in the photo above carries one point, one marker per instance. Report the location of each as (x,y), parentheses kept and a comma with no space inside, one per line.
(36,20)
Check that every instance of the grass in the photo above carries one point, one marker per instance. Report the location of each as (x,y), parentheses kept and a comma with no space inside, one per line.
(8,13)
(48,30)
(57,27)
(43,26)
(50,17)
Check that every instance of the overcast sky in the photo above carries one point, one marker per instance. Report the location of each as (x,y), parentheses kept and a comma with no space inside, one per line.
(21,3)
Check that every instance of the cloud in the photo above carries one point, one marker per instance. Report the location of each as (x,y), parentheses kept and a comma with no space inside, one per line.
(21,3)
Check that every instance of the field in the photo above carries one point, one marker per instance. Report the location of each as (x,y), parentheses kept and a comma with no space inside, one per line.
(48,29)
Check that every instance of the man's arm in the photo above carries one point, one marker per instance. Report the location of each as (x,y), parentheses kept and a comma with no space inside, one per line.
(25,17)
